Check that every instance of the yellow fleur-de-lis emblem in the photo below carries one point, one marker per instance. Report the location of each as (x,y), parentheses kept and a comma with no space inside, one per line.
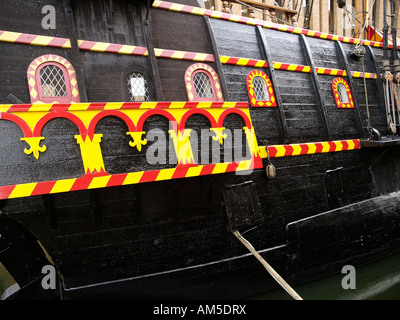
(219,135)
(137,142)
(34,144)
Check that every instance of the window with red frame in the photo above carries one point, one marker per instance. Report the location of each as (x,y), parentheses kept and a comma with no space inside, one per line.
(260,90)
(52,79)
(202,83)
(342,94)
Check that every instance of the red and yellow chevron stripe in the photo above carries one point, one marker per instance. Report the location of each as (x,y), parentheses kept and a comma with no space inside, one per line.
(331,72)
(184,55)
(291,67)
(288,150)
(11,108)
(104,180)
(166,5)
(96,46)
(33,39)
(32,118)
(244,62)
(358,74)
(112,48)
(142,51)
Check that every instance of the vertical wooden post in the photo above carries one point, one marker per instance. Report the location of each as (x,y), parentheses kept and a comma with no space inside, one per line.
(217,58)
(346,67)
(75,53)
(267,57)
(315,83)
(152,57)
(379,82)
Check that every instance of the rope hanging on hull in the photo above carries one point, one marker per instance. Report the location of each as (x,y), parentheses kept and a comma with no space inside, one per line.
(268,267)
(389,102)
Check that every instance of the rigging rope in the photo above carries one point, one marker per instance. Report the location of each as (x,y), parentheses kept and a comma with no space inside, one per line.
(389,102)
(390,98)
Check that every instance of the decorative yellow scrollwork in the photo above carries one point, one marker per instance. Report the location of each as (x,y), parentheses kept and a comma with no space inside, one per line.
(137,142)
(182,145)
(35,148)
(91,153)
(219,135)
(251,141)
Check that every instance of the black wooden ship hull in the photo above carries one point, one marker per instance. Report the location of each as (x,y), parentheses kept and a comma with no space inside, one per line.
(135,136)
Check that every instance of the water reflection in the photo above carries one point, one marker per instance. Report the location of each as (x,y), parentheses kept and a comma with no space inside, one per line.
(379,280)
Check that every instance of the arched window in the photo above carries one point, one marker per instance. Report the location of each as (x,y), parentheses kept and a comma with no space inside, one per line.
(342,94)
(260,90)
(202,83)
(137,87)
(52,79)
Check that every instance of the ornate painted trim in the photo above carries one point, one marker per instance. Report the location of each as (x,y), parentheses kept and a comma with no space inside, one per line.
(96,46)
(166,5)
(33,117)
(34,39)
(212,75)
(70,81)
(291,67)
(95,181)
(244,62)
(367,75)
(250,89)
(289,150)
(91,181)
(336,95)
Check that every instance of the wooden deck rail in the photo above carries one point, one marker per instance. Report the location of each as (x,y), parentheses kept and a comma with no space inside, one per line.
(291,14)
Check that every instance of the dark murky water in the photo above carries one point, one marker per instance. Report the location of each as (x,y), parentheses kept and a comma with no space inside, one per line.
(379,280)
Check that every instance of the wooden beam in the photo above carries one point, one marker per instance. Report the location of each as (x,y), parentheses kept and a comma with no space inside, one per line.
(315,83)
(217,59)
(148,34)
(267,57)
(345,65)
(76,58)
(265,6)
(379,81)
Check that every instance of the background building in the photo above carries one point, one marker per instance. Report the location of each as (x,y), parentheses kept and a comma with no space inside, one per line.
(318,15)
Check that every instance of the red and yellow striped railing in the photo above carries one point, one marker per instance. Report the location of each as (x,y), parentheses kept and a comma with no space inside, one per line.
(289,150)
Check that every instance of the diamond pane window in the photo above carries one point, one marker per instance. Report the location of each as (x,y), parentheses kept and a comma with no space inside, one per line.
(53,82)
(260,90)
(137,86)
(52,79)
(202,83)
(342,94)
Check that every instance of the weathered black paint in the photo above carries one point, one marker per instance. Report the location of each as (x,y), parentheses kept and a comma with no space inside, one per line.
(171,238)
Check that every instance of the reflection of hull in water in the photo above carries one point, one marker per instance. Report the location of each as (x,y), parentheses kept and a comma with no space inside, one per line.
(117,225)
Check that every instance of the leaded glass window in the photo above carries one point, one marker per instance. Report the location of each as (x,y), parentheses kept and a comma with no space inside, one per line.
(260,89)
(342,93)
(202,85)
(53,81)
(137,87)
